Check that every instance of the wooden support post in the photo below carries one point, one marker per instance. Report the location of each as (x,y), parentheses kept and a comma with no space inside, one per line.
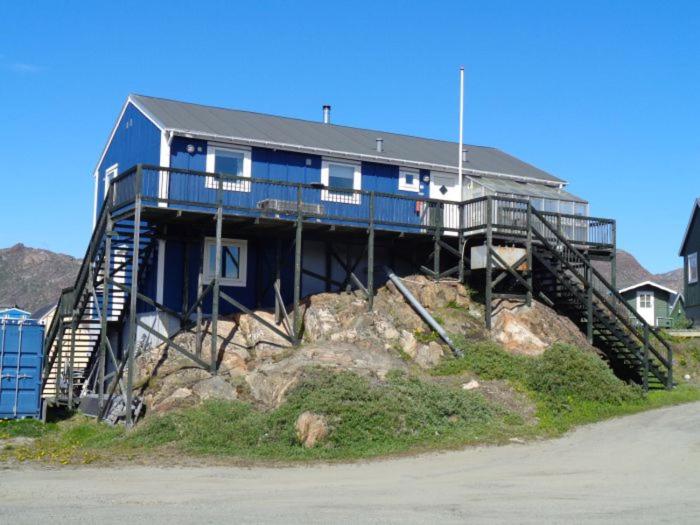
(278,280)
(460,244)
(185,281)
(589,307)
(528,248)
(59,349)
(645,373)
(329,267)
(297,266)
(133,298)
(216,293)
(488,292)
(669,358)
(613,260)
(106,278)
(200,286)
(370,255)
(436,242)
(71,357)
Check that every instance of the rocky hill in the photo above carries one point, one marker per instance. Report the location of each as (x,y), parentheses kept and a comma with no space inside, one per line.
(630,271)
(32,278)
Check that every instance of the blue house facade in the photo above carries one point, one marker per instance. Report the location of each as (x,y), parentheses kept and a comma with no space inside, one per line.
(189,138)
(203,212)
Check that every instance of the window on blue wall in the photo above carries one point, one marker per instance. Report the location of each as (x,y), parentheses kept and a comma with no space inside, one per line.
(409,180)
(234,256)
(228,163)
(341,179)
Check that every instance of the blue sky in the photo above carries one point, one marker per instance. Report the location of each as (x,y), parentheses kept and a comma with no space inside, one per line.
(602,94)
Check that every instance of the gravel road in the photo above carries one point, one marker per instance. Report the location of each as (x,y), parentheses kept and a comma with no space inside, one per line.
(638,469)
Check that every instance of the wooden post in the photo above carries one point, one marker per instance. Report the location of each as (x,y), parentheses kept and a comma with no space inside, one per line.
(217,279)
(370,255)
(436,242)
(489,263)
(613,260)
(185,280)
(278,279)
(200,287)
(59,349)
(528,248)
(71,357)
(645,377)
(329,266)
(297,266)
(106,276)
(460,243)
(133,298)
(589,307)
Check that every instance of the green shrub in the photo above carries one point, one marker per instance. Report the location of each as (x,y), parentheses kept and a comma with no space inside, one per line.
(486,359)
(565,374)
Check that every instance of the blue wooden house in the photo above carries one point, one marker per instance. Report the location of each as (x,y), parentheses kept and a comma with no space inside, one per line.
(202,212)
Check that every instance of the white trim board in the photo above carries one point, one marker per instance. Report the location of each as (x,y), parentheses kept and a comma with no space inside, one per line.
(648,283)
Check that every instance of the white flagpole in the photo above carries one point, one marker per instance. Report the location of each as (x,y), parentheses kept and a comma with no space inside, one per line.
(461,129)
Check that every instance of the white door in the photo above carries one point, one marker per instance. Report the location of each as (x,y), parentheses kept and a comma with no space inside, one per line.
(445,187)
(645,306)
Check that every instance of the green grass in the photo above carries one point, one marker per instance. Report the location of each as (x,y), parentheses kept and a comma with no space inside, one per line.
(367,418)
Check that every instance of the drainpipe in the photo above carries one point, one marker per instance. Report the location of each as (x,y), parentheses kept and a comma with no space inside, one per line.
(422,311)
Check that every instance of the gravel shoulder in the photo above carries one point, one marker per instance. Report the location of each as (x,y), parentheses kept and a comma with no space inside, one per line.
(640,468)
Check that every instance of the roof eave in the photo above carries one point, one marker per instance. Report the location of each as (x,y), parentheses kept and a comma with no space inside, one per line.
(360,156)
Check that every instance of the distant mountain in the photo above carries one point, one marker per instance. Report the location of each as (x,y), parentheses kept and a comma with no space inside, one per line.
(630,271)
(32,278)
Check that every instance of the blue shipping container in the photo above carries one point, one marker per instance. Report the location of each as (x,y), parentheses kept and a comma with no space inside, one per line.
(21,350)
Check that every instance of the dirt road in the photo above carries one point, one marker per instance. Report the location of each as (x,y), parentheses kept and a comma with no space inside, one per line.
(643,468)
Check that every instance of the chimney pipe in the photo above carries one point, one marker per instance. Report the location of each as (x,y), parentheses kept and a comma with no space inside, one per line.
(380,144)
(326,114)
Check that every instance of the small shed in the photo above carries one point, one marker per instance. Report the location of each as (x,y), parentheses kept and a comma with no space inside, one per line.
(652,301)
(21,358)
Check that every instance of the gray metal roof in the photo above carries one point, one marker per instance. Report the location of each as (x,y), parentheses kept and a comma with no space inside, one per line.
(182,117)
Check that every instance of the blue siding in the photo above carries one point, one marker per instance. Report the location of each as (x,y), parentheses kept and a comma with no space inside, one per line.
(174,278)
(20,368)
(295,168)
(136,140)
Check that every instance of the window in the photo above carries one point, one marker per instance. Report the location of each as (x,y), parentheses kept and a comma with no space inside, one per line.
(341,179)
(234,257)
(228,161)
(645,300)
(692,268)
(409,180)
(110,174)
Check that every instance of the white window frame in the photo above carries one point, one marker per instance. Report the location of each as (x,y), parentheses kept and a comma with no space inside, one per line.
(242,246)
(327,195)
(405,186)
(692,268)
(110,175)
(240,185)
(640,300)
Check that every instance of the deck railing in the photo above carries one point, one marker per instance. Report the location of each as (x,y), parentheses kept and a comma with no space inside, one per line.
(266,198)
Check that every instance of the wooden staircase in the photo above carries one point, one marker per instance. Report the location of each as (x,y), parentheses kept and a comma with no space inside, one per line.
(564,274)
(73,338)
